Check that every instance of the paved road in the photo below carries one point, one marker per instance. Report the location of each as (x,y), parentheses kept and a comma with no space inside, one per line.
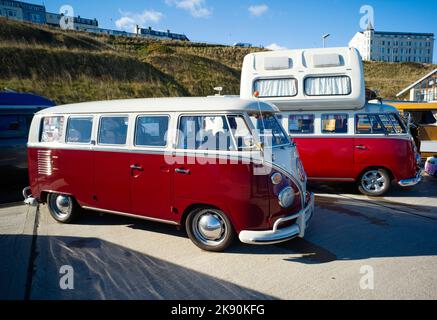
(116,257)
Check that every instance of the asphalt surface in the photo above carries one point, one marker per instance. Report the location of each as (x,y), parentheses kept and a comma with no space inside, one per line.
(121,258)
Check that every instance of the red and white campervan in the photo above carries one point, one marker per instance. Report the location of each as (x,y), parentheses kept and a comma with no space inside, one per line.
(219,166)
(340,136)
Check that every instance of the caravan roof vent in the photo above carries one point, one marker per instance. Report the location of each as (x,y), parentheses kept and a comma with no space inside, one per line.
(327,60)
(277,63)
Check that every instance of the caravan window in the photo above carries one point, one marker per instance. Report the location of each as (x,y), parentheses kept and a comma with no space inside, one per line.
(369,124)
(328,86)
(334,123)
(301,124)
(268,88)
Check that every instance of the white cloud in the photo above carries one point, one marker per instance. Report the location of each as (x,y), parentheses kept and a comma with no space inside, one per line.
(197,8)
(129,20)
(275,47)
(258,10)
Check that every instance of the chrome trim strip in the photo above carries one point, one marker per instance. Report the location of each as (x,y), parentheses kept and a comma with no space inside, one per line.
(129,215)
(331,179)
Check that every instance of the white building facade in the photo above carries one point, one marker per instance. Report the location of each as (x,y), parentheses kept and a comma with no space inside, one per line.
(394,46)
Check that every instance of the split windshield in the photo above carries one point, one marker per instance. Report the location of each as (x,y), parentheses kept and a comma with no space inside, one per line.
(269,129)
(231,132)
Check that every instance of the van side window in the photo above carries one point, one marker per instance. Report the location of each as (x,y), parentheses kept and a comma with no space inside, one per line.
(392,123)
(113,130)
(334,123)
(79,129)
(13,127)
(369,124)
(301,123)
(151,131)
(52,129)
(204,133)
(328,86)
(241,133)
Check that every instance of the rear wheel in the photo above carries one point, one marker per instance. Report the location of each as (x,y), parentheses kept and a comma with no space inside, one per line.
(63,208)
(374,182)
(210,229)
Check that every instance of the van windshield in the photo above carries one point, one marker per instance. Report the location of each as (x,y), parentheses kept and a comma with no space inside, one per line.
(269,129)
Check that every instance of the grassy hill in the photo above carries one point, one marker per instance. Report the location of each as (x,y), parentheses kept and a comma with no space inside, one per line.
(72,66)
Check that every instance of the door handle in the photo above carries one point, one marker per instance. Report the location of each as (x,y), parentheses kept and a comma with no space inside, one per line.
(361,147)
(182,171)
(136,167)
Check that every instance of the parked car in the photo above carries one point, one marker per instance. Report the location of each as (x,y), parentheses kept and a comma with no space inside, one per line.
(16,113)
(158,159)
(340,137)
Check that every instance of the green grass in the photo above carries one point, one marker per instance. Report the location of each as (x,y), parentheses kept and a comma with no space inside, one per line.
(69,66)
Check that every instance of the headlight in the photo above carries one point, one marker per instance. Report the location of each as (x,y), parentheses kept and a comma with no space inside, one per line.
(286,197)
(276,178)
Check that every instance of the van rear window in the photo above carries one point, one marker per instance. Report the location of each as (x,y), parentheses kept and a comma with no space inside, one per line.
(52,129)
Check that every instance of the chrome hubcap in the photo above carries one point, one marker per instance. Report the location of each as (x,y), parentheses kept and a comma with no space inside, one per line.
(209,228)
(373,181)
(61,205)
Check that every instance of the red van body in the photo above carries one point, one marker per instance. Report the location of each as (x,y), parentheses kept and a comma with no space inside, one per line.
(167,183)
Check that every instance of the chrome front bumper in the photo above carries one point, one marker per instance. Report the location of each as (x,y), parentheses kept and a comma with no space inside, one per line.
(411,182)
(281,235)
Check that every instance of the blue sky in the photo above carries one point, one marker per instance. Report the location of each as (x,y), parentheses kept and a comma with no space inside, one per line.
(290,24)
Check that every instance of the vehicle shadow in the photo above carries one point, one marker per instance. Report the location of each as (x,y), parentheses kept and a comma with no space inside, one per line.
(104,270)
(427,188)
(342,229)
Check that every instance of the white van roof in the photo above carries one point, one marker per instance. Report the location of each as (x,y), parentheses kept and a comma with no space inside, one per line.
(318,64)
(204,104)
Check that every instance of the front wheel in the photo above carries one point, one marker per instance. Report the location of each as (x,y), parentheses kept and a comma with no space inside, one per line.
(374,182)
(210,229)
(63,208)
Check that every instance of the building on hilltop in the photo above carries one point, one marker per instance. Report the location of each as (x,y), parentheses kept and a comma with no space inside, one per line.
(23,11)
(394,46)
(161,35)
(79,23)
